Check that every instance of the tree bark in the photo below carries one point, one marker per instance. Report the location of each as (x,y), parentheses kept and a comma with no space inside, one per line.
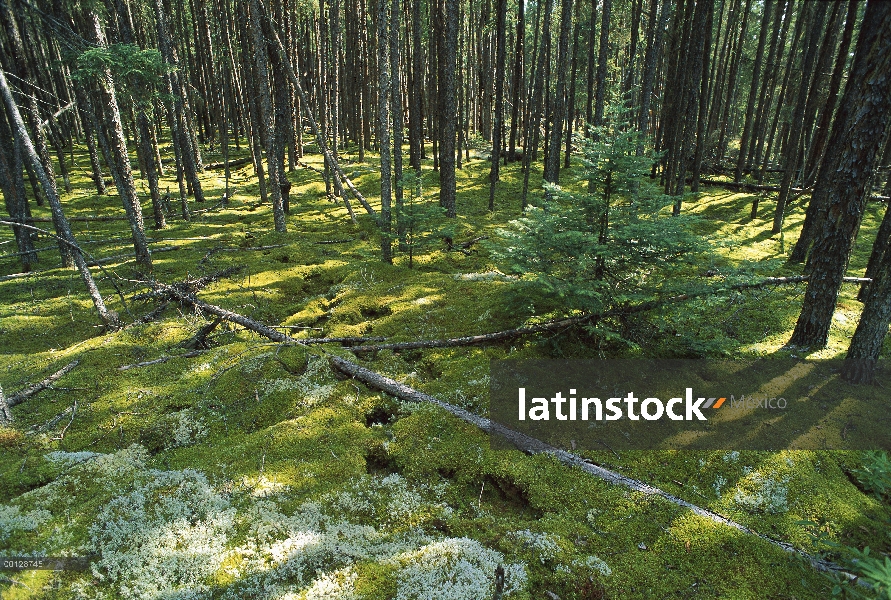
(383,126)
(552,159)
(811,225)
(267,115)
(122,172)
(183,141)
(13,193)
(416,111)
(602,63)
(447,59)
(866,345)
(792,150)
(857,133)
(534,121)
(518,82)
(753,91)
(880,247)
(397,119)
(498,121)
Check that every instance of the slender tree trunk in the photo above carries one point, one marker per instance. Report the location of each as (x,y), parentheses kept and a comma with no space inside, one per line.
(879,248)
(552,159)
(183,140)
(651,58)
(267,115)
(592,56)
(814,211)
(498,121)
(383,127)
(535,101)
(122,173)
(397,118)
(702,117)
(517,81)
(13,193)
(792,153)
(447,59)
(109,318)
(88,121)
(857,133)
(571,109)
(22,67)
(753,91)
(602,63)
(416,114)
(821,134)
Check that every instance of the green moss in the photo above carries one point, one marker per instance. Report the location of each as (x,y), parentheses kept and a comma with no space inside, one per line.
(277,426)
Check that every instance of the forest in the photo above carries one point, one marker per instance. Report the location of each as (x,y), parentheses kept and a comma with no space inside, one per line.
(260,261)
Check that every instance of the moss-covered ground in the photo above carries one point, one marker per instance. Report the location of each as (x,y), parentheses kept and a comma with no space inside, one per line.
(252,471)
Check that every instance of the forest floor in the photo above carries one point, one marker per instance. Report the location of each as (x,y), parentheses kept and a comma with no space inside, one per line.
(250,470)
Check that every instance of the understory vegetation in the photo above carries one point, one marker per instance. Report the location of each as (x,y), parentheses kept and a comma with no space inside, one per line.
(248,469)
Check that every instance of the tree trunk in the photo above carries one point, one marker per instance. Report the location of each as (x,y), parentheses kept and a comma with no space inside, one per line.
(753,91)
(866,345)
(879,249)
(267,115)
(122,173)
(181,132)
(13,193)
(534,122)
(416,114)
(822,131)
(448,119)
(571,109)
(602,63)
(517,81)
(383,126)
(811,224)
(498,121)
(792,150)
(109,318)
(397,118)
(591,80)
(857,133)
(552,159)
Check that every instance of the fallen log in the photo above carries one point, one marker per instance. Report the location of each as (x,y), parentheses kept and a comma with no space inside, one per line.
(463,247)
(531,445)
(476,340)
(336,241)
(17,275)
(39,387)
(161,360)
(487,338)
(227,315)
(346,341)
(238,162)
(122,257)
(79,219)
(753,187)
(151,315)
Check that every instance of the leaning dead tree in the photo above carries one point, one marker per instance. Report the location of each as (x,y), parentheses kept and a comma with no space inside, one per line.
(109,318)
